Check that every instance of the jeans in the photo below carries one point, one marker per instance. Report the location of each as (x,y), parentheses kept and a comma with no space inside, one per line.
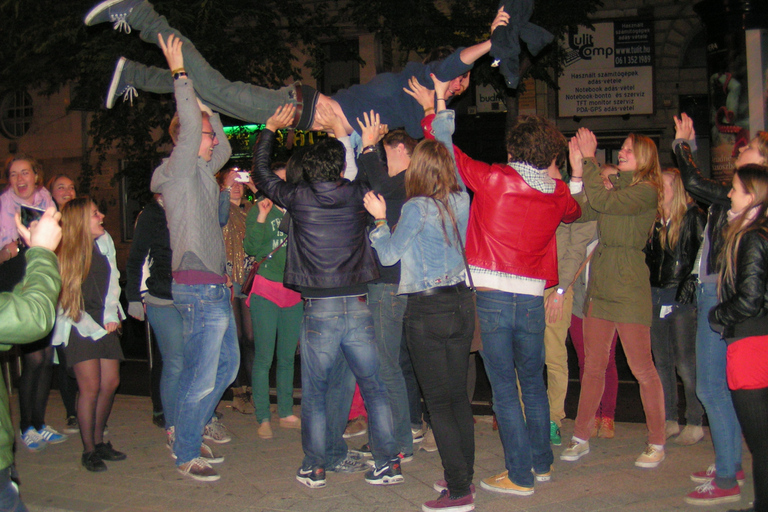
(211,361)
(168,327)
(439,329)
(712,390)
(337,327)
(235,99)
(274,328)
(673,343)
(388,308)
(752,409)
(512,327)
(416,410)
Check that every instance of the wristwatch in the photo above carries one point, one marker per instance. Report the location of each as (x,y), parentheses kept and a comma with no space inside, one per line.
(560,291)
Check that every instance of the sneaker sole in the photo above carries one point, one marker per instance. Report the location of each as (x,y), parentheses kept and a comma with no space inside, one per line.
(199,478)
(215,460)
(572,458)
(713,501)
(116,74)
(649,465)
(98,9)
(502,490)
(56,441)
(387,480)
(356,434)
(556,442)
(462,508)
(365,455)
(440,488)
(71,431)
(428,450)
(543,478)
(312,484)
(706,480)
(217,441)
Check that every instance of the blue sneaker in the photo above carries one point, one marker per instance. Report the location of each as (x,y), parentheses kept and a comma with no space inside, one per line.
(113,11)
(119,87)
(33,440)
(388,474)
(51,436)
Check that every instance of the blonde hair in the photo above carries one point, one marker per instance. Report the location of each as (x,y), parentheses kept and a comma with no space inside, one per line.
(174,129)
(648,168)
(754,179)
(670,232)
(74,253)
(762,145)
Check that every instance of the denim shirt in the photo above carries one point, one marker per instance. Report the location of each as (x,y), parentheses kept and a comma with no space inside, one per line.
(419,243)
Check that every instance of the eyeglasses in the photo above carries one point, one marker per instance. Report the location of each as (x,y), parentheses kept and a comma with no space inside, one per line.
(212,135)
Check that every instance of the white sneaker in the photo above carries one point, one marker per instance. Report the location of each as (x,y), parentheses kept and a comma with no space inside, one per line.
(650,458)
(575,450)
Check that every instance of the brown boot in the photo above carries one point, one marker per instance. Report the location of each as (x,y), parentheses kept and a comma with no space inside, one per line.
(241,401)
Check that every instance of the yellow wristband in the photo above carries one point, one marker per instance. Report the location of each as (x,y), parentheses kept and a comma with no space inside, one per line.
(178,70)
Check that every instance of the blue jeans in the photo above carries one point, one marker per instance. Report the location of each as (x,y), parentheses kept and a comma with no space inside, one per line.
(211,361)
(712,389)
(512,327)
(340,327)
(388,308)
(168,327)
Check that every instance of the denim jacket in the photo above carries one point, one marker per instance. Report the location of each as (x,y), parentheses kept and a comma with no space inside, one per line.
(426,260)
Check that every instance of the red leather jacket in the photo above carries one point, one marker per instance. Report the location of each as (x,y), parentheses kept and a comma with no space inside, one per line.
(511,225)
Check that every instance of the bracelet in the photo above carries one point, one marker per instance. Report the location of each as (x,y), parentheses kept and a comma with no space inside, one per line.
(180,74)
(178,70)
(576,177)
(368,149)
(428,109)
(380,222)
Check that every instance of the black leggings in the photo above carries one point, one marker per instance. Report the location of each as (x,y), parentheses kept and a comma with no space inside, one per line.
(752,410)
(245,339)
(35,383)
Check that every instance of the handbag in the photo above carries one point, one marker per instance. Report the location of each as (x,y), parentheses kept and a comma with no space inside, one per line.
(248,282)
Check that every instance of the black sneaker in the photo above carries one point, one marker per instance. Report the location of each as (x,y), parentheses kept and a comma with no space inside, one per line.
(312,478)
(73,427)
(349,465)
(106,452)
(92,462)
(363,451)
(388,474)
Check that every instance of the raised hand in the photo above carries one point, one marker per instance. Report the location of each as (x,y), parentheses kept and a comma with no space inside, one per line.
(265,206)
(370,128)
(172,51)
(441,89)
(282,118)
(575,158)
(501,19)
(44,232)
(684,127)
(425,97)
(587,142)
(329,121)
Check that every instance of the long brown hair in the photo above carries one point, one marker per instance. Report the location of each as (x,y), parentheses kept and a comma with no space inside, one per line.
(754,179)
(670,232)
(432,174)
(74,254)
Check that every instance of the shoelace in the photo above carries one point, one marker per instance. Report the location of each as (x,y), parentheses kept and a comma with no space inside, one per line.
(130,93)
(711,470)
(199,463)
(705,488)
(120,23)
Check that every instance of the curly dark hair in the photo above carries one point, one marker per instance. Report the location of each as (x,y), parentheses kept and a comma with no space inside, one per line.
(536,141)
(323,161)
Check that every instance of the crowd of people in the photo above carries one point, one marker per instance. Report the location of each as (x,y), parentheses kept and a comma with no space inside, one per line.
(368,252)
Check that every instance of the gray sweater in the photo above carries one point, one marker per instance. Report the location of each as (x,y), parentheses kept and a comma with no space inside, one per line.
(190,191)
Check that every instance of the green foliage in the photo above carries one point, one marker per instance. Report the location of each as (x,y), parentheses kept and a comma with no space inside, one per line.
(45,45)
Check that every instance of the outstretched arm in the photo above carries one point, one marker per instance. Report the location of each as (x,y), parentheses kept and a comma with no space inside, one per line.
(471,54)
(267,181)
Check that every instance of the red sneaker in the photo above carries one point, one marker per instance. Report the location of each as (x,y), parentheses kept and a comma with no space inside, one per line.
(445,504)
(702,477)
(710,494)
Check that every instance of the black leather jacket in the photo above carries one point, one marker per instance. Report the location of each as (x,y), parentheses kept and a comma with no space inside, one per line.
(328,245)
(672,268)
(711,192)
(743,308)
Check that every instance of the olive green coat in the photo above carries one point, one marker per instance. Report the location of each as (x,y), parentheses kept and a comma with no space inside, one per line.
(619,286)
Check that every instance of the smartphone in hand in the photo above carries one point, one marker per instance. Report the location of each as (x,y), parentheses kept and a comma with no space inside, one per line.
(29,214)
